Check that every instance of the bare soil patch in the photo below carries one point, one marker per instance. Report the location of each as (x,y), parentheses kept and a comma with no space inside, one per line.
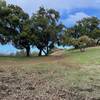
(31,86)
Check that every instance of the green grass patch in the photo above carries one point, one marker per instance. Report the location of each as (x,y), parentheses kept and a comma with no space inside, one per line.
(90,56)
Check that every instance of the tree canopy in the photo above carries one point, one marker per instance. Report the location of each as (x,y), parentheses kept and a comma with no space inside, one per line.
(45,26)
(4,13)
(43,29)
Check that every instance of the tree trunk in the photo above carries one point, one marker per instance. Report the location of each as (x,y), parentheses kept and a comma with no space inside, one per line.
(76,46)
(47,51)
(82,49)
(28,51)
(40,52)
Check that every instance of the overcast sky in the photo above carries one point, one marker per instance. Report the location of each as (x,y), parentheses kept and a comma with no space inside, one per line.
(70,11)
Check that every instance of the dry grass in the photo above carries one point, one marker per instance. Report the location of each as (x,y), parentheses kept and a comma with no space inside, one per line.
(50,78)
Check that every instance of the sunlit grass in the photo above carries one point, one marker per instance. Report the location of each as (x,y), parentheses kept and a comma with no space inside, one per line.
(90,56)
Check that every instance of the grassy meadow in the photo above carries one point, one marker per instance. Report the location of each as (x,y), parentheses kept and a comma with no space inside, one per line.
(72,75)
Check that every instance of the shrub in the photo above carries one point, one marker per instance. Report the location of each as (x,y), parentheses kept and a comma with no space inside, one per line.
(83,42)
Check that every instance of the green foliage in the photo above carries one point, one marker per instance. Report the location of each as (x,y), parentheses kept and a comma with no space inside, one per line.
(20,23)
(4,12)
(44,24)
(96,33)
(85,30)
(43,29)
(87,26)
(83,42)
